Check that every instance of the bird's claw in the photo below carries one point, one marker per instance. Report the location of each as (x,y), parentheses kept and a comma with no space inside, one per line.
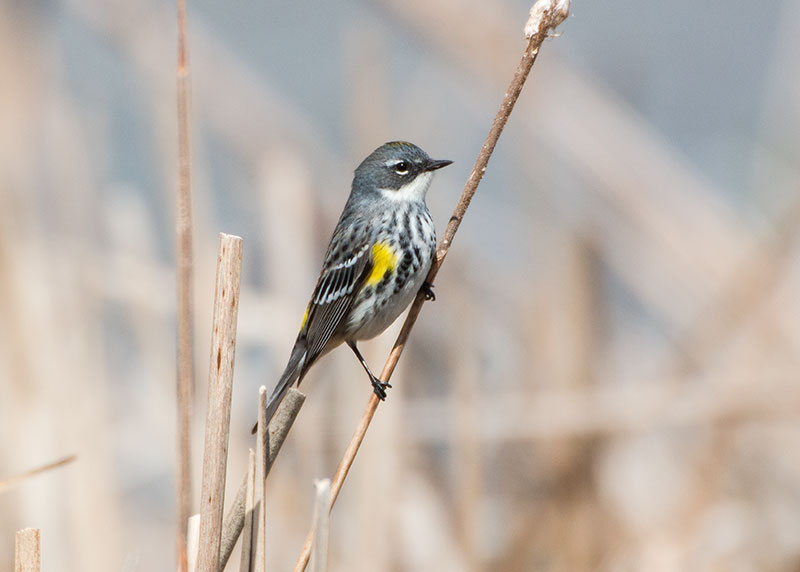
(379,387)
(427,290)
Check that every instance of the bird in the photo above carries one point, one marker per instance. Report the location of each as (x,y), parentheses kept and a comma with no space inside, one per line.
(376,262)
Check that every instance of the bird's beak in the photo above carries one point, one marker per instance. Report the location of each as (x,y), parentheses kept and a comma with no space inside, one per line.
(434,164)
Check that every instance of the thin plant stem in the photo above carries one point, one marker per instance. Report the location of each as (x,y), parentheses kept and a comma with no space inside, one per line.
(258,545)
(321,526)
(247,513)
(192,542)
(185,342)
(17,479)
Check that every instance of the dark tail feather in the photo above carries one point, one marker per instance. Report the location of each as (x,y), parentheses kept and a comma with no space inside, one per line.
(292,372)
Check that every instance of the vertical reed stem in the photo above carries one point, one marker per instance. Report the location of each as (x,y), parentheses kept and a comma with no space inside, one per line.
(27,550)
(185,342)
(220,389)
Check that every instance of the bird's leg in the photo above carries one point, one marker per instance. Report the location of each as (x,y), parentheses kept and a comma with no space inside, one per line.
(427,289)
(378,386)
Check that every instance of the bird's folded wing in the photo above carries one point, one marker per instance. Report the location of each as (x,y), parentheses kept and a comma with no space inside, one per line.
(336,289)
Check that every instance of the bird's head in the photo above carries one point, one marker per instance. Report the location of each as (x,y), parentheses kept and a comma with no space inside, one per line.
(398,171)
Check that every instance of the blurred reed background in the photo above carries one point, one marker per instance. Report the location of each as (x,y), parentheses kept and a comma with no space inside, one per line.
(608,379)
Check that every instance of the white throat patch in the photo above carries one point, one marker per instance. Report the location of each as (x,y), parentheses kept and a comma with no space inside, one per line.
(412,191)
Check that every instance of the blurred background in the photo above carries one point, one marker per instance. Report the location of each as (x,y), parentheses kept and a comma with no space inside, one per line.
(608,379)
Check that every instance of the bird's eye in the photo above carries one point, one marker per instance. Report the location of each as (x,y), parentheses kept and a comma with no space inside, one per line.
(401,168)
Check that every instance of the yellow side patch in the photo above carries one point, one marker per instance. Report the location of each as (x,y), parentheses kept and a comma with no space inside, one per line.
(384,259)
(305,317)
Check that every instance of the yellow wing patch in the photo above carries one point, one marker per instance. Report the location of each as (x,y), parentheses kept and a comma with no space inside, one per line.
(305,317)
(384,259)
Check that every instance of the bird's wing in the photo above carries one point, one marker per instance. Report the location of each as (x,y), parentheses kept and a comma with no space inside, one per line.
(337,287)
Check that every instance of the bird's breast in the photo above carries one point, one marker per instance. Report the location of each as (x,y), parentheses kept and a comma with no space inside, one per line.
(403,249)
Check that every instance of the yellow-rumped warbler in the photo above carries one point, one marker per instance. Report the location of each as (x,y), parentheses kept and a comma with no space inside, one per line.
(377,261)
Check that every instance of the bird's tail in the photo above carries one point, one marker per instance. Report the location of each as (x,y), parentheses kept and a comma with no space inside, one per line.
(291,374)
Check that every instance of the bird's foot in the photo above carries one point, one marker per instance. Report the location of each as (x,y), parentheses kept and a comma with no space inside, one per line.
(380,387)
(427,289)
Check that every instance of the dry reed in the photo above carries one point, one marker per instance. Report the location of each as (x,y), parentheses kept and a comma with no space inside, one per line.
(220,389)
(27,550)
(184,282)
